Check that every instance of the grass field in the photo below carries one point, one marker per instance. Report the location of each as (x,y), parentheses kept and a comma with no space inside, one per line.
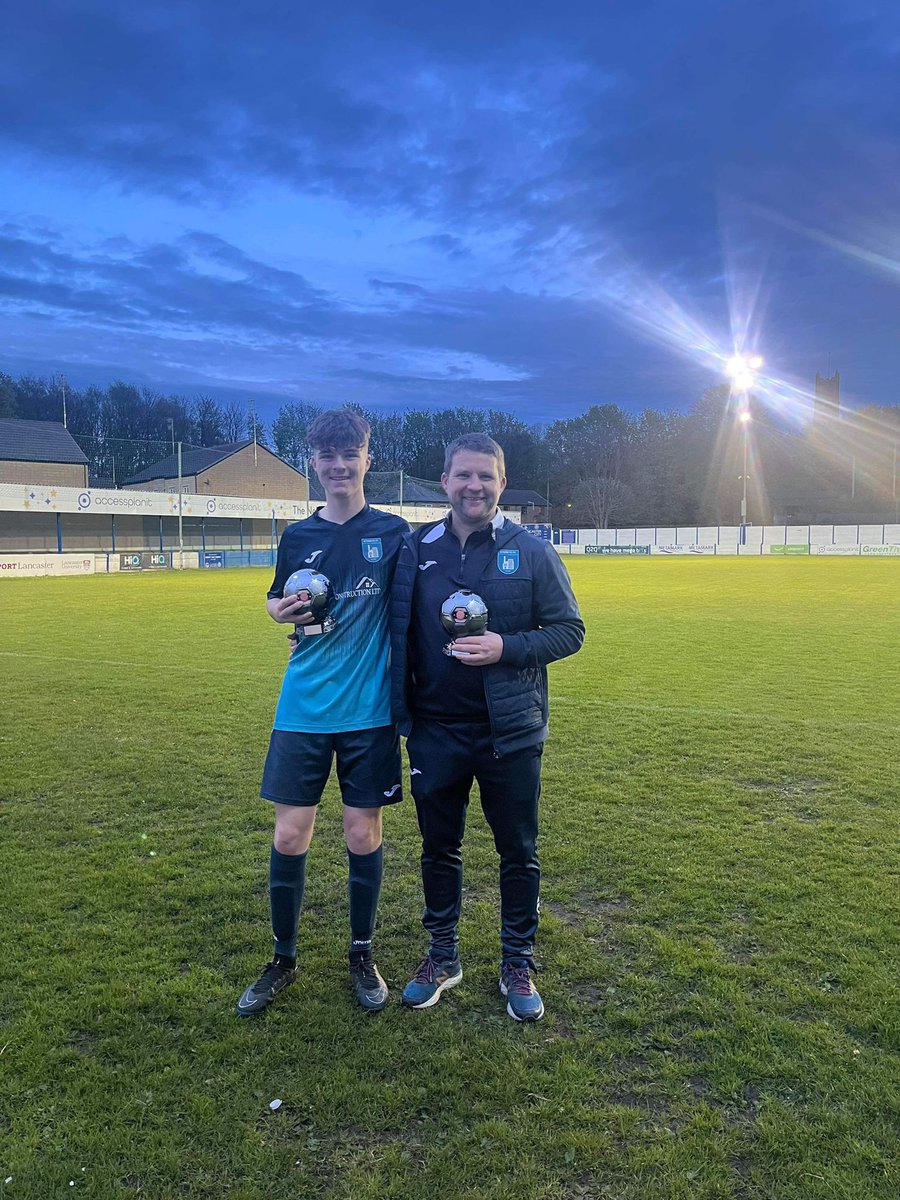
(719,932)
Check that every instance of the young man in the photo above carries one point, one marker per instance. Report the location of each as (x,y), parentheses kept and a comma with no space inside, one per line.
(335,702)
(480,714)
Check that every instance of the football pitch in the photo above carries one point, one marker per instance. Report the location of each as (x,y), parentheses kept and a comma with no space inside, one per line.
(719,915)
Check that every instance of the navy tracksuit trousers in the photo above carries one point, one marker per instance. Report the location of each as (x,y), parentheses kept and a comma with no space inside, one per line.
(445,758)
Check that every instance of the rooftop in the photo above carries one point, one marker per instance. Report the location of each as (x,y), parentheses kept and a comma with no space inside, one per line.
(38,441)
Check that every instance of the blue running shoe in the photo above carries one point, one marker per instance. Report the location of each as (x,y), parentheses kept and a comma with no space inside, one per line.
(524,1003)
(431,978)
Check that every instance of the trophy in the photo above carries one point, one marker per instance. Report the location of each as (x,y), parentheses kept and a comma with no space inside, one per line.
(464,614)
(317,595)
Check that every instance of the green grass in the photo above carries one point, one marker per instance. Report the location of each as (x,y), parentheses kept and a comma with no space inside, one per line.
(719,932)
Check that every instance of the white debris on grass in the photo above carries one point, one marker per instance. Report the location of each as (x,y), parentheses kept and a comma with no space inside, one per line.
(274,1104)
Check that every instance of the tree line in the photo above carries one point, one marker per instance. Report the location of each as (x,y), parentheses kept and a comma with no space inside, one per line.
(603,468)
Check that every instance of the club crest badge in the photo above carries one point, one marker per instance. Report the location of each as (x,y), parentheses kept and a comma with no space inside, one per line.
(507,561)
(372,549)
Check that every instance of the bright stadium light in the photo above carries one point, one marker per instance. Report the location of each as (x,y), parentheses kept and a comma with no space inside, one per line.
(734,365)
(741,369)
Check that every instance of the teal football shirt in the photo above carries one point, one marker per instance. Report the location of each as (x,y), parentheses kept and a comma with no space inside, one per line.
(339,681)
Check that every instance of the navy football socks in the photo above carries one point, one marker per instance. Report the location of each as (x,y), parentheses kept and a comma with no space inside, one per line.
(287,877)
(364,889)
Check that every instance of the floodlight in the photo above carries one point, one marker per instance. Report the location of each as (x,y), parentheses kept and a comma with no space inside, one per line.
(741,368)
(735,365)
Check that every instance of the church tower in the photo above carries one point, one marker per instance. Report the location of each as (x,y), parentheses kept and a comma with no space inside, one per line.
(828,398)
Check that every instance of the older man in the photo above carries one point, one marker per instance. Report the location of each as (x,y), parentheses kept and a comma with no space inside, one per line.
(480,713)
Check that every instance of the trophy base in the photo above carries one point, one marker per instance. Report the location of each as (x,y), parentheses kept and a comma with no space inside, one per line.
(325,626)
(452,651)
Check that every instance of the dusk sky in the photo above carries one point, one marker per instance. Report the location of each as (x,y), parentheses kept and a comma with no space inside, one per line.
(532,207)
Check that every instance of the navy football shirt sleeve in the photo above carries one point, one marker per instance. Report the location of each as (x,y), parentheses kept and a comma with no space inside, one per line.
(282,571)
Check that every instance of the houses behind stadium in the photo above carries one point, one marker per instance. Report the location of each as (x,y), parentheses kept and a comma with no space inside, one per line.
(41,452)
(237,469)
(45,453)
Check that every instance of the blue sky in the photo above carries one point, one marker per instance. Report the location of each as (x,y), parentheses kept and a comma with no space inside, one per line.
(528,206)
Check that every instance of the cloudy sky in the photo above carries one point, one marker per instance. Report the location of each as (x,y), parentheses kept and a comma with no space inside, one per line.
(525,205)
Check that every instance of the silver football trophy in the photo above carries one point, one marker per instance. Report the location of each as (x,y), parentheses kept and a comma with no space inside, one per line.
(317,594)
(464,614)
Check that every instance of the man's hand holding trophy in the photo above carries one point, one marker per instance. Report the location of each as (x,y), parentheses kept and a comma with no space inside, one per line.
(464,615)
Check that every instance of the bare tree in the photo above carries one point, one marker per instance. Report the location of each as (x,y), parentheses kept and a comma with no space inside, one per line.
(233,422)
(207,417)
(290,431)
(598,501)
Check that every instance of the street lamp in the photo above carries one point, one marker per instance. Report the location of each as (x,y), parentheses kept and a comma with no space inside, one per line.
(742,368)
(744,418)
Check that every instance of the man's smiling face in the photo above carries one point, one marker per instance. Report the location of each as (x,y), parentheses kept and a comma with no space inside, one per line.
(473,486)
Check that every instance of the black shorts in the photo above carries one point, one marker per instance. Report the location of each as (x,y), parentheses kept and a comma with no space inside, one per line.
(368,767)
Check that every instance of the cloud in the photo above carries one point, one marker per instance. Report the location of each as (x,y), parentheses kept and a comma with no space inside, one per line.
(195,102)
(535,164)
(563,132)
(173,312)
(403,289)
(160,286)
(444,243)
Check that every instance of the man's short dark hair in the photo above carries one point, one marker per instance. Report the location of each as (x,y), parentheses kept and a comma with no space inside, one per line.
(476,443)
(339,429)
